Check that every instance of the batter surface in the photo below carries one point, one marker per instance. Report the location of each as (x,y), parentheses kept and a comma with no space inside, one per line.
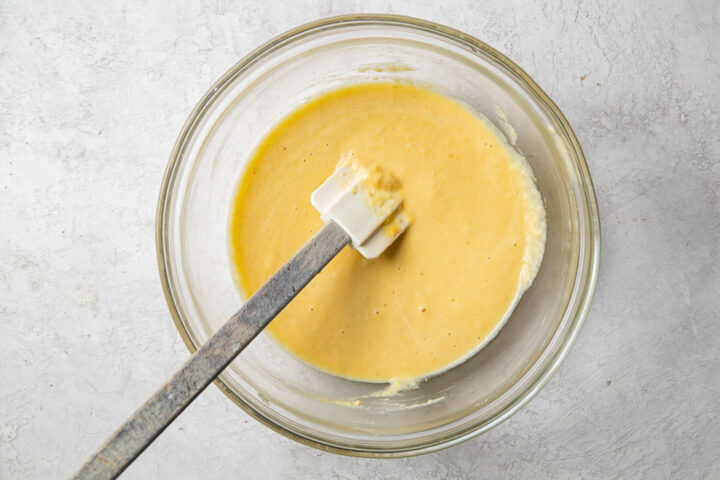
(444,288)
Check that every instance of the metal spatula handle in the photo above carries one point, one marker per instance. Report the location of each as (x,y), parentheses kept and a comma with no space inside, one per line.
(170,400)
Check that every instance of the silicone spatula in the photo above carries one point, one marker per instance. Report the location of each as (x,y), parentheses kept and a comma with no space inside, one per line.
(352,214)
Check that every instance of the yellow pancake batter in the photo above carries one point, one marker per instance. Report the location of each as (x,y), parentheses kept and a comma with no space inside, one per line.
(474,244)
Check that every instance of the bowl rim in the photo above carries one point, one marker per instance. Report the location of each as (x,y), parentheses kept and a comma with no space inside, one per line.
(588,266)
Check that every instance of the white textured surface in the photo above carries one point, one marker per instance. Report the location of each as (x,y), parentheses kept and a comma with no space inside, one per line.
(92,95)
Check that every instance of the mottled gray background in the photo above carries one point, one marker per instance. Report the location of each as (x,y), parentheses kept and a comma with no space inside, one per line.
(92,96)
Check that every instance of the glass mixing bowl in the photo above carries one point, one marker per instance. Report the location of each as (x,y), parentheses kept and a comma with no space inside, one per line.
(193,240)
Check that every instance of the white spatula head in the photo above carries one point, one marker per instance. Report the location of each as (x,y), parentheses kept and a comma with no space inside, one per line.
(365,203)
